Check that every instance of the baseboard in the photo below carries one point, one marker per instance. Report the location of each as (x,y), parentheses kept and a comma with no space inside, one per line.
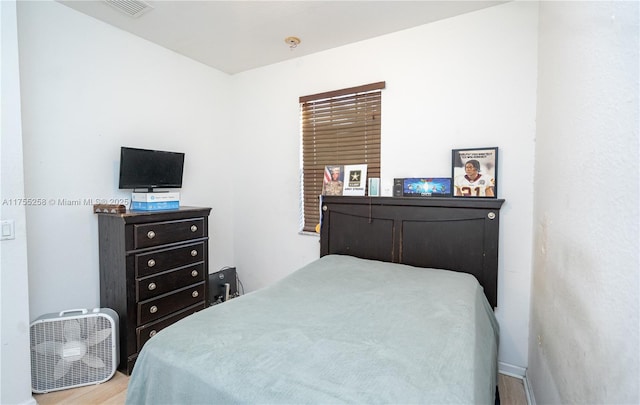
(511,370)
(521,373)
(531,400)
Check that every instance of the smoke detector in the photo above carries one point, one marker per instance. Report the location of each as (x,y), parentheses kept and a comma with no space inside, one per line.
(292,41)
(132,8)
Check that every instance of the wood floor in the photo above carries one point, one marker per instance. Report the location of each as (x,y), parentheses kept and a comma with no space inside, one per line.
(114,391)
(511,390)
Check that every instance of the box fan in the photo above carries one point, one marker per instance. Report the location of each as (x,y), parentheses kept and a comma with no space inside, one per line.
(73,348)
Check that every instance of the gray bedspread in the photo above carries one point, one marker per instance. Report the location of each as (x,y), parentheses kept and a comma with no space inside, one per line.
(339,330)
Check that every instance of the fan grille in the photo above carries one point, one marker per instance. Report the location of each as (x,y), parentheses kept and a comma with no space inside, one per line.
(49,337)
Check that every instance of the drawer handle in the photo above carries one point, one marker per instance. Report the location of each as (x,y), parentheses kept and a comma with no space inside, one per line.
(152,286)
(152,333)
(194,253)
(151,234)
(194,228)
(194,294)
(151,263)
(153,309)
(194,273)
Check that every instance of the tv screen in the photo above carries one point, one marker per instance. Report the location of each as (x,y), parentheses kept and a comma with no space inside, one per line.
(145,168)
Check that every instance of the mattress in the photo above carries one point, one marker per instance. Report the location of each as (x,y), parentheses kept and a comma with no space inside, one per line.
(338,330)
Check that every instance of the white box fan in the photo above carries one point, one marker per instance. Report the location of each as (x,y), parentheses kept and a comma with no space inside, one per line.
(73,348)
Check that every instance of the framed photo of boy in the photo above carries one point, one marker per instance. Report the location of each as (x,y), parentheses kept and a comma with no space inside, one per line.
(474,172)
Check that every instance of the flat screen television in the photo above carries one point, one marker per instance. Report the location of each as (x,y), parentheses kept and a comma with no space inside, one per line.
(150,169)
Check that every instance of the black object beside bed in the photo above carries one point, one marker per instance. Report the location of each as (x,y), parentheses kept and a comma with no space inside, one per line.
(459,234)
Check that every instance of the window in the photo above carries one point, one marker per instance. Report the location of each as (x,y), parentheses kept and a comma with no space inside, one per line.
(340,127)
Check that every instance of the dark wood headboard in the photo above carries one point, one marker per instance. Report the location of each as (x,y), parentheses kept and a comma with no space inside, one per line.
(458,234)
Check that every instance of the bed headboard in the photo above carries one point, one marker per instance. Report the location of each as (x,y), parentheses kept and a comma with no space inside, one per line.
(458,234)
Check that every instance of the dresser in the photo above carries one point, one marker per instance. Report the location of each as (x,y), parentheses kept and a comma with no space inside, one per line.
(153,271)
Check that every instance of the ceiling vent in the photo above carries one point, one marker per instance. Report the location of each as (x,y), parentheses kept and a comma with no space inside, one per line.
(132,8)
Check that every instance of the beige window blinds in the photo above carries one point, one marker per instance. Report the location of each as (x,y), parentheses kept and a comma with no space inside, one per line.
(340,127)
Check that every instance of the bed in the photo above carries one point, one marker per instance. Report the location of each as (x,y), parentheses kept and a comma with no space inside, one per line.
(398,309)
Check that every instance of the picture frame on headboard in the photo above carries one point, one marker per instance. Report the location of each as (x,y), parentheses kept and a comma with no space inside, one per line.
(333,179)
(355,179)
(474,172)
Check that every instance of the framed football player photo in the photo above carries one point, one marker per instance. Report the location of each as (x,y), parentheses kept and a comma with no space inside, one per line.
(474,172)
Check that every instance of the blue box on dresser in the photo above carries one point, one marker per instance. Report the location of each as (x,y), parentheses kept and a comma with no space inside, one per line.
(169,200)
(155,206)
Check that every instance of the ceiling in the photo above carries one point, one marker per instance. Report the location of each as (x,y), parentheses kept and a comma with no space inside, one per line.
(235,36)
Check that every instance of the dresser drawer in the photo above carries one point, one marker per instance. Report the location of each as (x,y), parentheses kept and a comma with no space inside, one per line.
(146,332)
(160,233)
(161,283)
(156,308)
(166,259)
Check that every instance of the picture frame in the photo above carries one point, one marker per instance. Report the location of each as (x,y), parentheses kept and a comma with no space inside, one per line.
(333,180)
(355,179)
(474,172)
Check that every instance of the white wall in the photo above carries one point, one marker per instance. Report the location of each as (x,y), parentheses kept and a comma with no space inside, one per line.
(468,81)
(87,89)
(15,369)
(585,291)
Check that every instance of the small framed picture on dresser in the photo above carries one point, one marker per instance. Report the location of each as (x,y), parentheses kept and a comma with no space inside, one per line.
(474,172)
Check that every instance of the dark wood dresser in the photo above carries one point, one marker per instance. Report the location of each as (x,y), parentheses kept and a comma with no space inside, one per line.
(153,271)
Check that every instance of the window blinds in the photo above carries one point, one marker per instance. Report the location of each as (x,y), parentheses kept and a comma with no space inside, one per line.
(340,127)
